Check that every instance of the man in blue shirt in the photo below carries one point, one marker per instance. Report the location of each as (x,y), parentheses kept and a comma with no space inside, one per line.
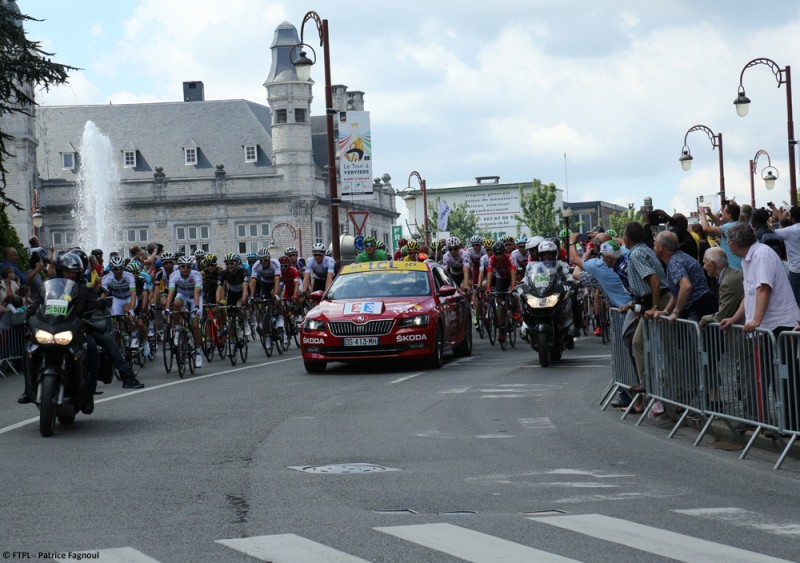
(11,259)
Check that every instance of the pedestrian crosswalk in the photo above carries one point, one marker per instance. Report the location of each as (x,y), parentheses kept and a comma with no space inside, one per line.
(474,546)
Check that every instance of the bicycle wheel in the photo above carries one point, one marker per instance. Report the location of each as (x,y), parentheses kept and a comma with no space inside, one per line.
(297,321)
(266,334)
(166,348)
(277,337)
(221,341)
(287,332)
(190,354)
(604,325)
(243,344)
(587,314)
(511,330)
(233,340)
(207,338)
(153,343)
(491,327)
(141,359)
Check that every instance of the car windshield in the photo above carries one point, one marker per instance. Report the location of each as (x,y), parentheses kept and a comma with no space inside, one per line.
(380,284)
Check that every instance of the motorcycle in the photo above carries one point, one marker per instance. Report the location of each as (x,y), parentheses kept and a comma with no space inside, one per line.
(57,365)
(547,313)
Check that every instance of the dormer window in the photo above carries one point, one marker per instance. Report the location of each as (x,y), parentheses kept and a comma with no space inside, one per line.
(299,115)
(280,116)
(129,159)
(67,160)
(190,156)
(250,153)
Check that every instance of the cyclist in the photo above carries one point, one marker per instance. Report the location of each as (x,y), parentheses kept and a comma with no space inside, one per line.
(144,289)
(412,252)
(210,280)
(252,258)
(121,285)
(299,263)
(234,288)
(502,268)
(320,268)
(371,252)
(265,279)
(520,256)
(199,255)
(398,255)
(185,287)
(456,262)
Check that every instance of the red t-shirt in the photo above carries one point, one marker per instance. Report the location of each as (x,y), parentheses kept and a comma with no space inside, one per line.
(289,277)
(501,266)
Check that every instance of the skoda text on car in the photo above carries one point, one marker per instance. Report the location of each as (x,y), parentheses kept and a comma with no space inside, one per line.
(387,310)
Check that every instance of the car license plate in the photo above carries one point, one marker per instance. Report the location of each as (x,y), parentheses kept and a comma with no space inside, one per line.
(362,341)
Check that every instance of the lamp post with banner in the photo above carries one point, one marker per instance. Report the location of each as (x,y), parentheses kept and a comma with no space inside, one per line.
(716,143)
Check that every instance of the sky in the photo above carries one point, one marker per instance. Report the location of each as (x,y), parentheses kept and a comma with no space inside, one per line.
(595,97)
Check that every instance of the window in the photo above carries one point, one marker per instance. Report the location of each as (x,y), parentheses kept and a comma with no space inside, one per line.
(250,154)
(299,115)
(252,236)
(386,240)
(67,160)
(191,155)
(280,116)
(129,159)
(191,237)
(374,233)
(318,231)
(136,234)
(63,239)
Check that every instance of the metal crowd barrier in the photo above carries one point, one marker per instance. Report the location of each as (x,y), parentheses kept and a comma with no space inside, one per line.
(749,379)
(623,368)
(12,343)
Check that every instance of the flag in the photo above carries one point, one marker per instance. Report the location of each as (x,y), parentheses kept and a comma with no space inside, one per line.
(444,214)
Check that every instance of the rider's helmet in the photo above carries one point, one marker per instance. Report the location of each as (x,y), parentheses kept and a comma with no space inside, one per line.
(475,239)
(548,250)
(612,233)
(404,250)
(534,242)
(199,253)
(211,259)
(290,250)
(318,247)
(70,262)
(522,240)
(422,257)
(263,253)
(231,258)
(252,257)
(284,261)
(82,255)
(498,248)
(563,233)
(185,261)
(412,246)
(115,263)
(488,243)
(370,240)
(556,241)
(97,253)
(167,257)
(453,242)
(381,245)
(402,242)
(599,229)
(133,268)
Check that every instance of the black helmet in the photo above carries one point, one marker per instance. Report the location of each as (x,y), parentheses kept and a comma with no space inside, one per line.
(82,255)
(498,248)
(97,253)
(70,262)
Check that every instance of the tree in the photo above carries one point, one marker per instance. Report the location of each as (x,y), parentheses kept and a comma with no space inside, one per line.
(617,221)
(9,237)
(538,209)
(24,65)
(461,222)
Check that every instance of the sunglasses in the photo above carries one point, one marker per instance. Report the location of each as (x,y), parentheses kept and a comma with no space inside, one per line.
(319,254)
(369,245)
(116,269)
(452,248)
(184,266)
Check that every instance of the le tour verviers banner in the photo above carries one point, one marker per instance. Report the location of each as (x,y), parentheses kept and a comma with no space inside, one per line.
(354,147)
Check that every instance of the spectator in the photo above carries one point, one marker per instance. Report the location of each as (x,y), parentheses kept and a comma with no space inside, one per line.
(11,258)
(791,238)
(690,296)
(729,216)
(8,285)
(768,303)
(679,225)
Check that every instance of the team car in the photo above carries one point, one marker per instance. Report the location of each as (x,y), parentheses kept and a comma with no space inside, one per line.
(387,309)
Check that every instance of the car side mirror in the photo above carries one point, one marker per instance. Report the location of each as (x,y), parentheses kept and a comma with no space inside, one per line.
(447,290)
(317,296)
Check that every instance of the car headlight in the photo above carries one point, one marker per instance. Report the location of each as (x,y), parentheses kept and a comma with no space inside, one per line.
(43,337)
(414,322)
(63,338)
(314,324)
(536,302)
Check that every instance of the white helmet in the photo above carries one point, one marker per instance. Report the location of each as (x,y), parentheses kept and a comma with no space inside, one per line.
(547,246)
(318,247)
(534,242)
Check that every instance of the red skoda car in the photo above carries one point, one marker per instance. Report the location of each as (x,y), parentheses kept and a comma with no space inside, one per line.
(387,310)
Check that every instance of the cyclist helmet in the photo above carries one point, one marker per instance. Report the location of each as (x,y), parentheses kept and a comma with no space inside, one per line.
(413,246)
(422,257)
(370,240)
(424,249)
(98,253)
(499,248)
(318,247)
(231,258)
(70,262)
(133,268)
(453,241)
(548,247)
(264,253)
(402,242)
(534,242)
(556,241)
(185,261)
(563,233)
(252,256)
(82,255)
(115,262)
(404,250)
(329,252)
(211,259)
(612,233)
(284,260)
(599,229)
(522,240)
(475,239)
(488,243)
(290,250)
(167,257)
(199,253)
(382,245)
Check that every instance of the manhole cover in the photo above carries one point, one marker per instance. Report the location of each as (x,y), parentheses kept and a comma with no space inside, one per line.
(342,468)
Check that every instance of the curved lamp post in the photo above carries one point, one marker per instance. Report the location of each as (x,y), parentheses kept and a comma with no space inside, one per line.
(303,67)
(742,103)
(415,174)
(769,174)
(716,142)
(37,218)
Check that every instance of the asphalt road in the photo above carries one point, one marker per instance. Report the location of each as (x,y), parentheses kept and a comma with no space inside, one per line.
(489,458)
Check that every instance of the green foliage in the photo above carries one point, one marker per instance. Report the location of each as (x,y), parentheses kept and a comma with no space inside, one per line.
(538,210)
(9,237)
(461,223)
(24,65)
(617,221)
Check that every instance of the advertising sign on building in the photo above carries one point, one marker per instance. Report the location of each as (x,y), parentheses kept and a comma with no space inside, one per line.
(397,234)
(354,148)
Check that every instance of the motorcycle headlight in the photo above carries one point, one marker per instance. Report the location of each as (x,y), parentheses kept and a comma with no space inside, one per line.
(536,302)
(43,337)
(314,324)
(63,338)
(414,322)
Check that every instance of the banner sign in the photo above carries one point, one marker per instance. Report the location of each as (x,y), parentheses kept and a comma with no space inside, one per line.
(354,148)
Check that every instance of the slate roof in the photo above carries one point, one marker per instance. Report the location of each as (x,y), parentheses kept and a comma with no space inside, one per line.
(159,132)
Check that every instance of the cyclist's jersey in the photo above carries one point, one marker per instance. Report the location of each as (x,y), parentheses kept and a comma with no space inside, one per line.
(210,283)
(161,279)
(500,266)
(300,265)
(185,286)
(520,259)
(143,283)
(236,279)
(455,264)
(119,288)
(248,268)
(319,271)
(290,278)
(265,277)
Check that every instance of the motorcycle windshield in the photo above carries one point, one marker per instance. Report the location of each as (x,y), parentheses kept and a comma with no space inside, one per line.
(57,295)
(541,277)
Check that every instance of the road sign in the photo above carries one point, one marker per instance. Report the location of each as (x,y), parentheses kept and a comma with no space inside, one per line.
(359,243)
(359,219)
(397,234)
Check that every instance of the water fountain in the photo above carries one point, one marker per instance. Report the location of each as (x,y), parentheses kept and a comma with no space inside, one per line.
(97,209)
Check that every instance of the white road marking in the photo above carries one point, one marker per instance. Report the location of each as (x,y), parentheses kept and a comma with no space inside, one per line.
(537,422)
(618,496)
(288,548)
(116,555)
(493,436)
(745,519)
(407,377)
(514,396)
(470,545)
(149,389)
(668,544)
(455,391)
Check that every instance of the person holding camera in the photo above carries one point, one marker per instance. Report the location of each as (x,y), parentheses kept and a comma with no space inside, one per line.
(729,216)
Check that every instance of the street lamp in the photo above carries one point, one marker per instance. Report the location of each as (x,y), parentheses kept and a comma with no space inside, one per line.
(742,102)
(716,142)
(769,175)
(303,67)
(415,174)
(37,218)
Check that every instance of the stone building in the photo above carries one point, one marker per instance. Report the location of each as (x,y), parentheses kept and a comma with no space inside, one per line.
(222,175)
